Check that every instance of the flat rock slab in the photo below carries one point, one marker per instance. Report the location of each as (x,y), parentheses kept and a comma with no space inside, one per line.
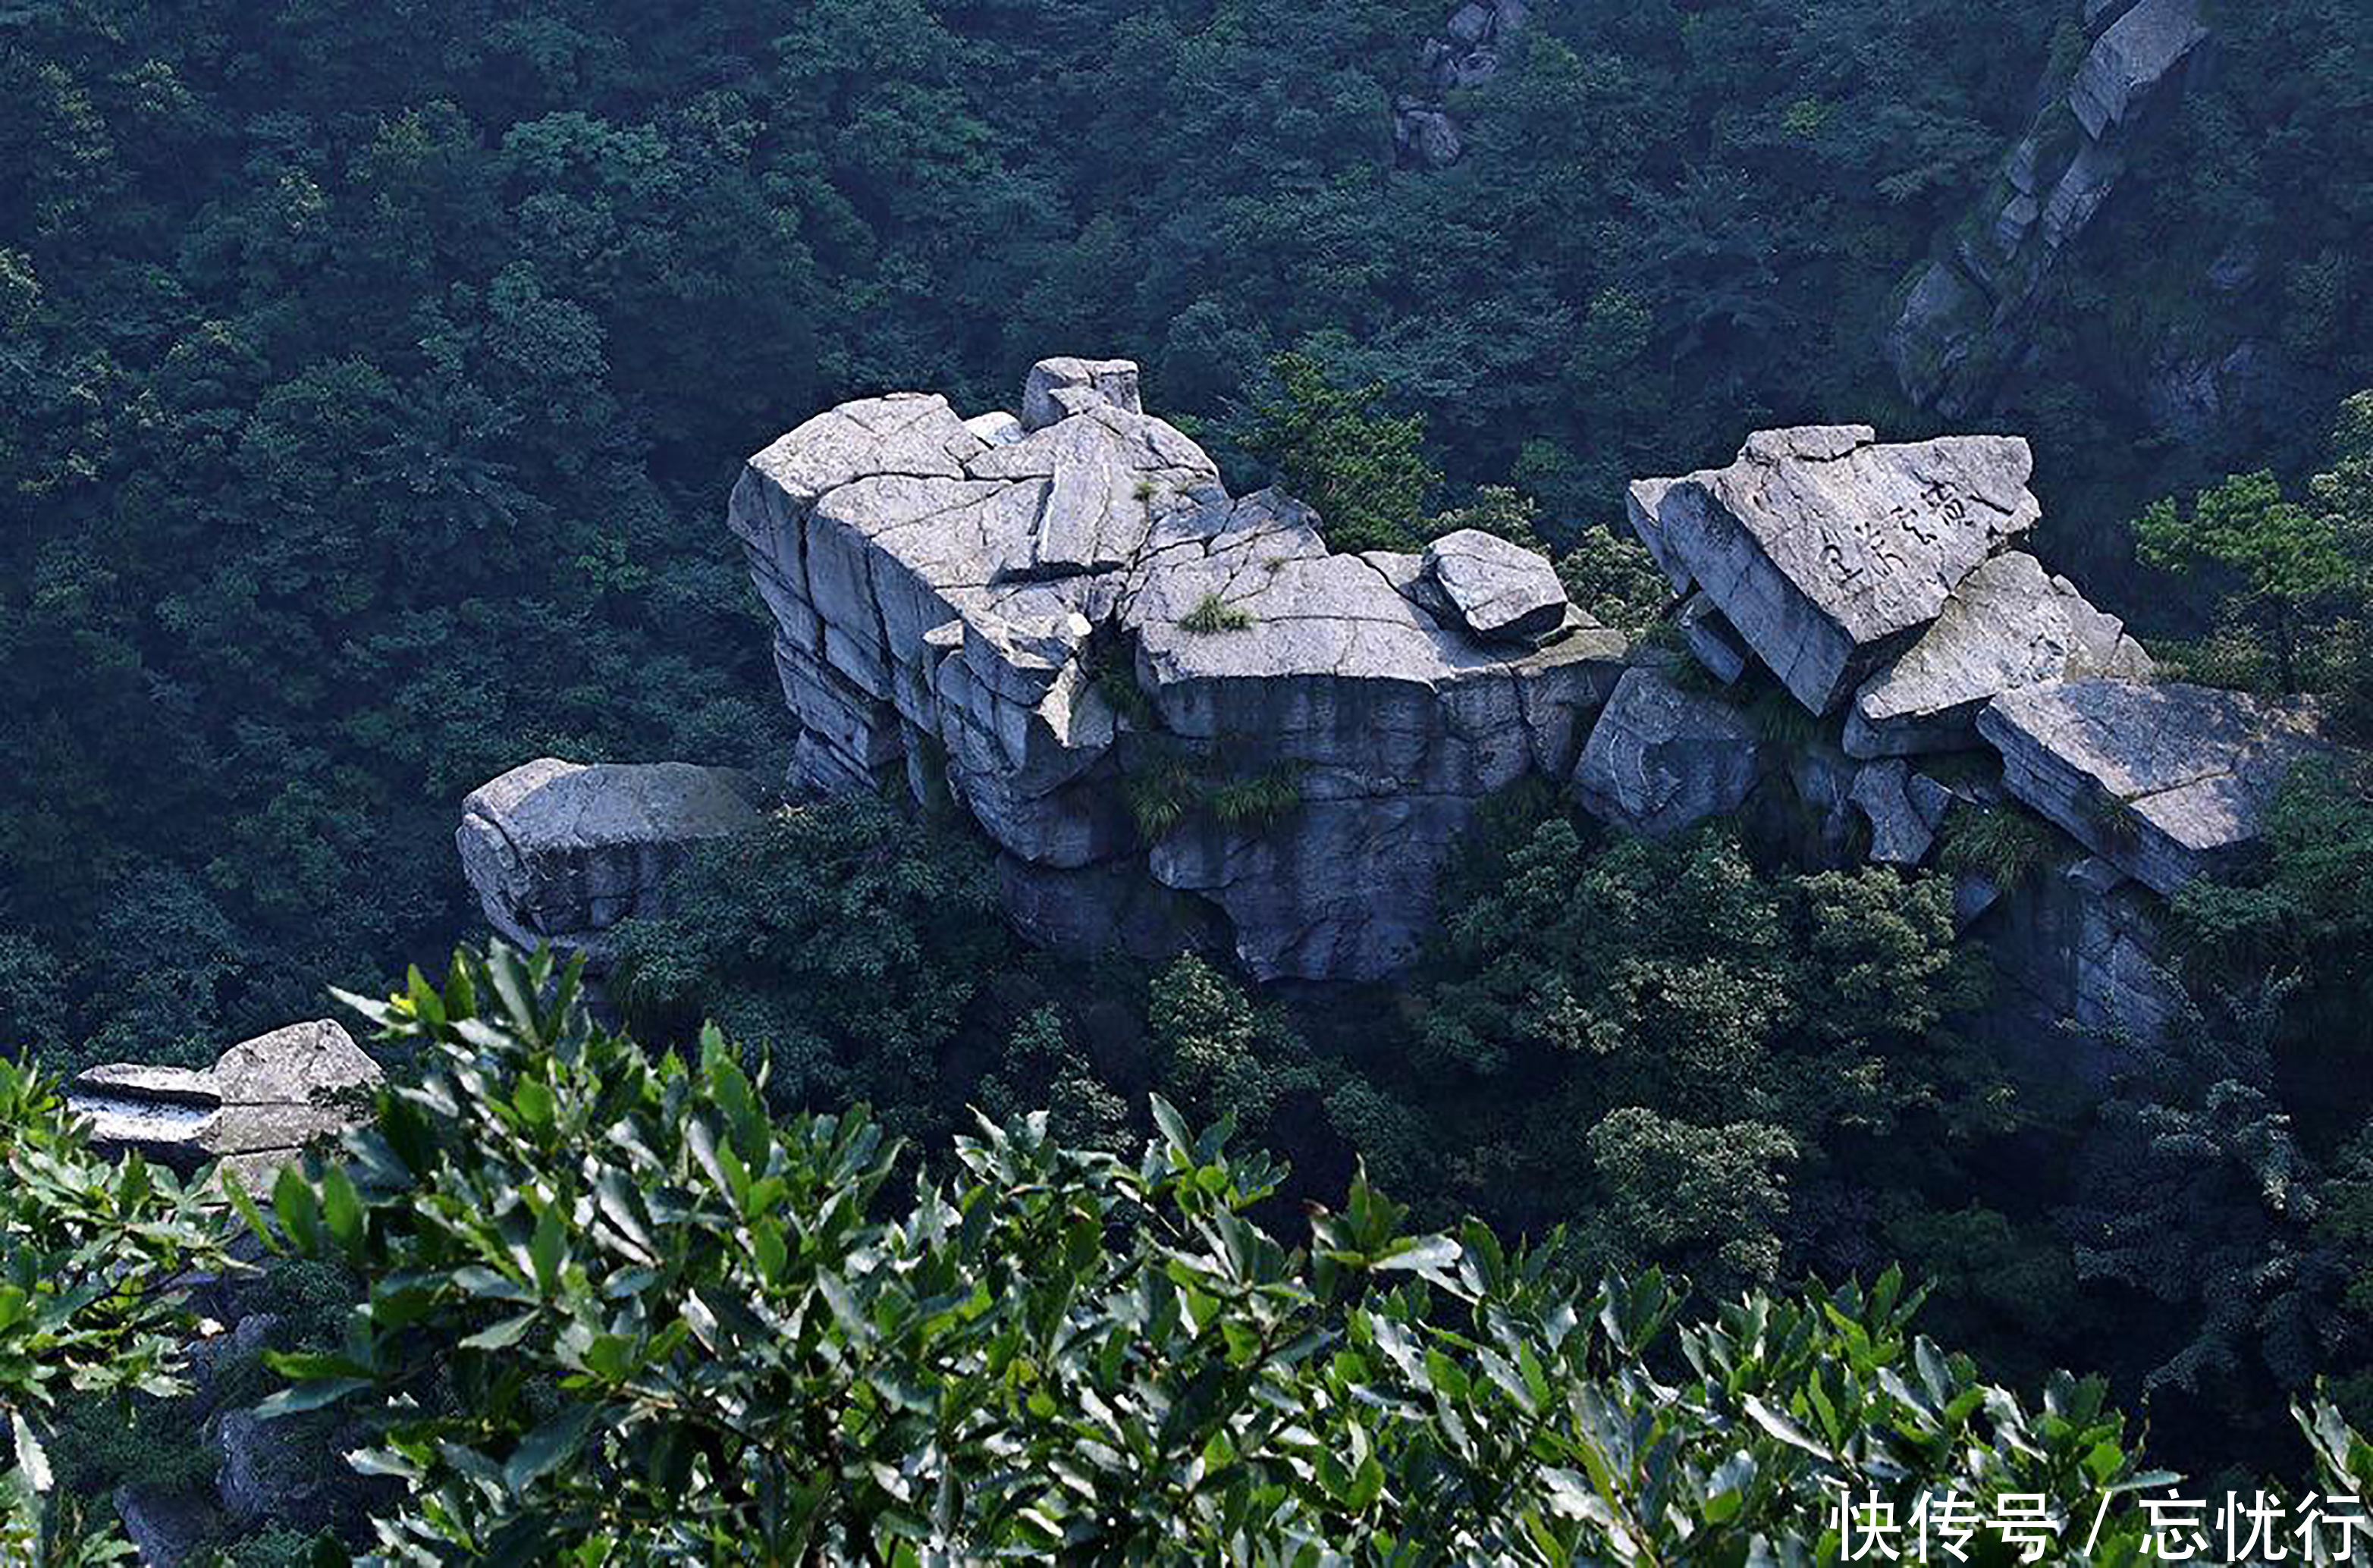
(1825,549)
(255,1109)
(1662,759)
(2165,782)
(1498,590)
(560,851)
(2009,625)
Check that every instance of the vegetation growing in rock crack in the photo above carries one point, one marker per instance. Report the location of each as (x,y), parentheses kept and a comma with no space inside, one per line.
(1213,614)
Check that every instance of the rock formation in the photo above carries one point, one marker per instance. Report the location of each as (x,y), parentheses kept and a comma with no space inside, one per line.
(2007,624)
(254,1110)
(2167,783)
(1966,315)
(1466,55)
(1184,721)
(1133,680)
(1831,564)
(559,852)
(1823,549)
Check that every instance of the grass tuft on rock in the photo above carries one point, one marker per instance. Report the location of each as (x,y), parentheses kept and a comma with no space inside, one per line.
(1213,614)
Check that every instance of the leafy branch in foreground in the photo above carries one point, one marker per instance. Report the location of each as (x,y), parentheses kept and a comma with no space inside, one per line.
(620,1315)
(92,1254)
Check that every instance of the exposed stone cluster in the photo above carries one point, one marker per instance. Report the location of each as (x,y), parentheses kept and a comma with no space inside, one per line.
(1134,682)
(1878,583)
(1181,719)
(1465,54)
(1965,316)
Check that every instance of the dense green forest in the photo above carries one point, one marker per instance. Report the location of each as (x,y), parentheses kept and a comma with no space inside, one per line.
(377,373)
(374,375)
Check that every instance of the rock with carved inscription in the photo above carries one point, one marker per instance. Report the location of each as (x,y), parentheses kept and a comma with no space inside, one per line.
(1826,549)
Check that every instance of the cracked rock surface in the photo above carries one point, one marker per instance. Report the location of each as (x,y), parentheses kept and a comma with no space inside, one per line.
(1133,680)
(2167,782)
(1824,548)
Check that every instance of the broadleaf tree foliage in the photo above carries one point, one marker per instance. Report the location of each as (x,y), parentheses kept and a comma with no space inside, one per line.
(618,1313)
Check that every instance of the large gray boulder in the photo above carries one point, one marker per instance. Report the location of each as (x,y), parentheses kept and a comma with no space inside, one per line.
(1058,389)
(1825,549)
(259,1104)
(2165,782)
(560,853)
(1054,631)
(1664,758)
(271,1470)
(1499,591)
(2008,624)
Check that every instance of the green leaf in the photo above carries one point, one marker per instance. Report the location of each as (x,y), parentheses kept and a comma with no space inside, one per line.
(342,1209)
(549,1446)
(31,1455)
(503,1334)
(299,1214)
(237,1191)
(547,1249)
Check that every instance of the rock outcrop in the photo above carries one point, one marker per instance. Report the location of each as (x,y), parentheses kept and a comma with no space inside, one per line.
(2008,624)
(1829,564)
(1664,758)
(1966,316)
(1466,55)
(1133,680)
(560,853)
(261,1103)
(2167,781)
(1824,549)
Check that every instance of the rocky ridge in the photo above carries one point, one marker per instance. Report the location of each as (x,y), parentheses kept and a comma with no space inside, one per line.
(1184,721)
(1131,678)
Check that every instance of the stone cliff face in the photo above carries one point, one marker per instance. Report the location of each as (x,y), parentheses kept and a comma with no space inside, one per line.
(1184,721)
(1166,705)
